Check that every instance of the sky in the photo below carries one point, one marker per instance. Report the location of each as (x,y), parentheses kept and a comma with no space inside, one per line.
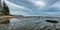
(34,7)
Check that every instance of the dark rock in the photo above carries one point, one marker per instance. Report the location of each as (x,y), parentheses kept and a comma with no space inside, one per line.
(52,21)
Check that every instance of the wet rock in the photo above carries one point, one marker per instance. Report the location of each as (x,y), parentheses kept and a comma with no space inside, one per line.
(52,21)
(58,29)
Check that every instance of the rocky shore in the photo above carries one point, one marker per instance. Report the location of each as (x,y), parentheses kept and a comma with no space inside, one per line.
(20,16)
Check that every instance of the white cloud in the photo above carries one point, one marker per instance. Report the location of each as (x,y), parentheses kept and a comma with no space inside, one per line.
(18,9)
(14,5)
(57,4)
(23,10)
(38,3)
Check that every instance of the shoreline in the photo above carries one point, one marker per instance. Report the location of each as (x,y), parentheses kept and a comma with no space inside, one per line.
(16,16)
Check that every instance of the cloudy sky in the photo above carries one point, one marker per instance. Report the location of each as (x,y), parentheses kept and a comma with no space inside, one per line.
(34,7)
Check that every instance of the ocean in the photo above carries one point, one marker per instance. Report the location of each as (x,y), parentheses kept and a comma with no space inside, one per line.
(28,23)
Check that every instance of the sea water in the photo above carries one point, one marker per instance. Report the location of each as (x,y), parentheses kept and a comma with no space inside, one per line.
(27,23)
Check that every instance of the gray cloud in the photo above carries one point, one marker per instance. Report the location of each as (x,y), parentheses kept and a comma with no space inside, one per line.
(26,7)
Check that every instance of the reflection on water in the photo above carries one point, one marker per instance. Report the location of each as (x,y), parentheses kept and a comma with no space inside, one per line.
(25,23)
(3,23)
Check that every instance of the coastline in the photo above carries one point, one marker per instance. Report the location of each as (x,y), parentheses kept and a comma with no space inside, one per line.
(21,16)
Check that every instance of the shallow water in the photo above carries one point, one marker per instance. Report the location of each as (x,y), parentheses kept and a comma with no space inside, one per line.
(27,23)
